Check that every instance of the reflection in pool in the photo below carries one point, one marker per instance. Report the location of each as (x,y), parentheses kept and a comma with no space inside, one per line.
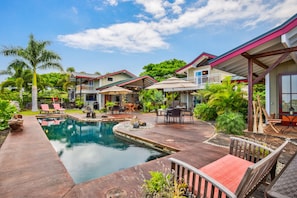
(90,150)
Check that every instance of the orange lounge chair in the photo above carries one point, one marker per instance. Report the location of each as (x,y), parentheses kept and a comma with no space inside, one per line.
(45,109)
(58,108)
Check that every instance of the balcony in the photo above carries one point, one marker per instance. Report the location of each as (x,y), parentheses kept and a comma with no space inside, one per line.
(85,89)
(207,79)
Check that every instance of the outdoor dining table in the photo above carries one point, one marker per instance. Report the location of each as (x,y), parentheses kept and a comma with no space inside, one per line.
(291,118)
(173,114)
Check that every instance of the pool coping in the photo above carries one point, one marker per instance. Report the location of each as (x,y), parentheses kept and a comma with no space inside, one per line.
(27,173)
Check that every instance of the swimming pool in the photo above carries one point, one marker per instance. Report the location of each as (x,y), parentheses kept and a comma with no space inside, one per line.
(90,150)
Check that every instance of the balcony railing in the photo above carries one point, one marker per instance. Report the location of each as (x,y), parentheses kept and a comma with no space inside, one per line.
(207,79)
(85,89)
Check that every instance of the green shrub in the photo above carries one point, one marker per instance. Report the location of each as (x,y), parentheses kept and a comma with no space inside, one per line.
(204,112)
(161,185)
(151,99)
(231,122)
(6,112)
(79,103)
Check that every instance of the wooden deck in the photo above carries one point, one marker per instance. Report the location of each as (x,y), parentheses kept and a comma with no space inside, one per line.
(30,167)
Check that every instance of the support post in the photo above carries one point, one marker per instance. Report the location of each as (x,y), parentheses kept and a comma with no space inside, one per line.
(250,94)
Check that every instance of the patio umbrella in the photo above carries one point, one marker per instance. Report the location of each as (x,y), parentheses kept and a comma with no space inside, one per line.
(115,90)
(174,84)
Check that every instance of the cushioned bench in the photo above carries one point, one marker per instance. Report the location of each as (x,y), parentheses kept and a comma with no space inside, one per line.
(237,174)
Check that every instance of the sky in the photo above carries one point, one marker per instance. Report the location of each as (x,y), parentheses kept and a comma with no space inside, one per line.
(110,35)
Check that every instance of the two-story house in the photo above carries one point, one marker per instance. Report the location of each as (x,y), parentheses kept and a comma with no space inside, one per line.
(201,73)
(88,86)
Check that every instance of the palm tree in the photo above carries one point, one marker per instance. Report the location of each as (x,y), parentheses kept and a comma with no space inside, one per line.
(35,57)
(229,97)
(16,70)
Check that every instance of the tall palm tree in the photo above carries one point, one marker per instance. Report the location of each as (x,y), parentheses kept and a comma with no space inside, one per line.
(35,57)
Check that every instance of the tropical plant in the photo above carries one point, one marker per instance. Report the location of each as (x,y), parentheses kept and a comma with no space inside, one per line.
(170,97)
(34,56)
(225,97)
(259,91)
(205,112)
(229,97)
(110,104)
(16,70)
(79,103)
(231,122)
(162,185)
(151,99)
(6,112)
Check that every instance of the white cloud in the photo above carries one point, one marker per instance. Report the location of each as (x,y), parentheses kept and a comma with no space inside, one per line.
(277,13)
(111,2)
(175,6)
(147,36)
(154,7)
(132,37)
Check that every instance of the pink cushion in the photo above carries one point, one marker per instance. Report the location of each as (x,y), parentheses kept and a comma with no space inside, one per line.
(228,170)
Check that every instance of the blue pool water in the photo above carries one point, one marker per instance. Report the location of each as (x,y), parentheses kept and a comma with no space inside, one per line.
(90,150)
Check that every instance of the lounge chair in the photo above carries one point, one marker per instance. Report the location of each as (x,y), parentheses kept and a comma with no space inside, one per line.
(45,109)
(58,108)
(271,121)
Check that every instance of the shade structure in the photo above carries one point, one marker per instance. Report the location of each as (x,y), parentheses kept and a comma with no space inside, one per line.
(115,90)
(174,84)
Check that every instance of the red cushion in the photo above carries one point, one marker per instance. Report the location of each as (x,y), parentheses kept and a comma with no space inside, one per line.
(228,170)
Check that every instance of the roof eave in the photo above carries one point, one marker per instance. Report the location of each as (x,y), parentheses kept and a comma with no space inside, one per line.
(187,66)
(272,34)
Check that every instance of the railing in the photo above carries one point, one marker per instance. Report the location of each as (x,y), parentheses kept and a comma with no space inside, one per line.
(207,79)
(85,88)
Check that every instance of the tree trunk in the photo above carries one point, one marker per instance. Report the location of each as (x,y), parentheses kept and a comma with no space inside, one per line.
(34,98)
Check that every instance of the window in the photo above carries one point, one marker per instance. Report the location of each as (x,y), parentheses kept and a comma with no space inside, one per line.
(91,97)
(91,83)
(109,79)
(201,77)
(288,95)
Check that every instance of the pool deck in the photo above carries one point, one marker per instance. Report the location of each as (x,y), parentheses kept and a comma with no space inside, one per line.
(30,166)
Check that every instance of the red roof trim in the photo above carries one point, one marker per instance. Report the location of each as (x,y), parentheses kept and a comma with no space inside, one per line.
(84,77)
(191,63)
(250,45)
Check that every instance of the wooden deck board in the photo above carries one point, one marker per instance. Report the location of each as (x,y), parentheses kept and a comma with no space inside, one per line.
(30,167)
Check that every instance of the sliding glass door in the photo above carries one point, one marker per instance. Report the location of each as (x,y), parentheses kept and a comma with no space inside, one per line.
(288,93)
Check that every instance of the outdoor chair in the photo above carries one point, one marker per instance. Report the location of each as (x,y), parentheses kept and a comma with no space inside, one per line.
(237,174)
(188,113)
(58,108)
(45,109)
(160,112)
(271,121)
(174,115)
(117,108)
